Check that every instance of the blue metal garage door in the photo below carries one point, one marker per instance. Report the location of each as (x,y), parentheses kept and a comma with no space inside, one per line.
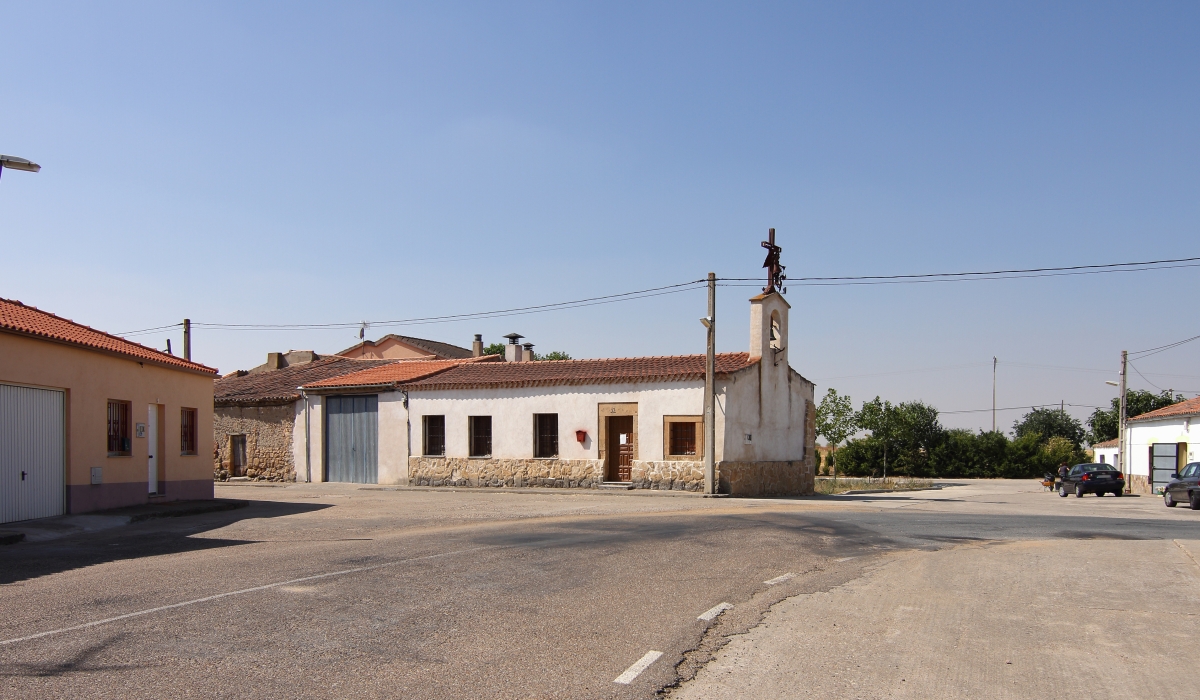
(352,439)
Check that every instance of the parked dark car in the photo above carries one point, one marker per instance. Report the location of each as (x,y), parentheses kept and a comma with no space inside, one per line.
(1183,487)
(1096,478)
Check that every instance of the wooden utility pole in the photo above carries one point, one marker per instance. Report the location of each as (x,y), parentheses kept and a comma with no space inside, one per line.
(994,393)
(710,361)
(187,339)
(1121,426)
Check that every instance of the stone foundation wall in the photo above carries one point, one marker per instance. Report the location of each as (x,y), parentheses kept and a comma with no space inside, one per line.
(268,431)
(463,471)
(758,479)
(748,479)
(668,476)
(1139,484)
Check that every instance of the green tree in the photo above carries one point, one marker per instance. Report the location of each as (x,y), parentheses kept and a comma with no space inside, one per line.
(906,434)
(836,421)
(498,349)
(1104,424)
(1049,423)
(552,355)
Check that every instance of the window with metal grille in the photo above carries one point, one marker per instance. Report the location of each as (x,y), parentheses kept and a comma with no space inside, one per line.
(187,431)
(545,435)
(480,430)
(683,438)
(120,439)
(434,428)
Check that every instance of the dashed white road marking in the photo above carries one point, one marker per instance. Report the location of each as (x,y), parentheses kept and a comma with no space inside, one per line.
(218,596)
(845,559)
(711,614)
(780,579)
(636,669)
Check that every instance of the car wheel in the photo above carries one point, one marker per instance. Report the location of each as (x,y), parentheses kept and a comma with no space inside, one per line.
(1099,494)
(1119,492)
(1168,500)
(1078,490)
(1194,500)
(1062,491)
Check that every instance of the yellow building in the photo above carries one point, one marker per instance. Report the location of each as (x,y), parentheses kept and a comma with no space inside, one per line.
(90,421)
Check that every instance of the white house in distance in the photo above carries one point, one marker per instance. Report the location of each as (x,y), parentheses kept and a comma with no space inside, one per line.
(1164,439)
(634,422)
(1106,452)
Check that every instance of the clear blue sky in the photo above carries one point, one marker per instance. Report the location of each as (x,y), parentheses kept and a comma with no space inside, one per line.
(290,163)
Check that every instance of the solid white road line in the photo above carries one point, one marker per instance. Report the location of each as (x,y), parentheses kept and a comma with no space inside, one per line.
(711,614)
(780,579)
(636,669)
(218,596)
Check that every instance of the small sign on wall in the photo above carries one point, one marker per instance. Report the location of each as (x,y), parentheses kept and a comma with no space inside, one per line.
(139,430)
(747,439)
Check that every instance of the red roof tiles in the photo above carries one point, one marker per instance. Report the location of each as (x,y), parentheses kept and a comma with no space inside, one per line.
(1115,442)
(279,386)
(397,372)
(575,372)
(16,317)
(1190,407)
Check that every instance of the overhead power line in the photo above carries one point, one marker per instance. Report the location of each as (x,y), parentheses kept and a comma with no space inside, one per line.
(1020,408)
(1142,354)
(725,282)
(990,274)
(519,311)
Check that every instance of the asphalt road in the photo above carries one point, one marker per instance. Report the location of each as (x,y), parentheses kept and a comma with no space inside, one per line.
(339,591)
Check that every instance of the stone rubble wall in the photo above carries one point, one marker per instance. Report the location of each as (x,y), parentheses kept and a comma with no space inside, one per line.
(748,479)
(759,479)
(668,475)
(547,473)
(268,431)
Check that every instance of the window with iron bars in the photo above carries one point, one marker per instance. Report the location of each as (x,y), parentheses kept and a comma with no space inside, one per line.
(683,438)
(434,429)
(480,430)
(188,431)
(120,437)
(545,435)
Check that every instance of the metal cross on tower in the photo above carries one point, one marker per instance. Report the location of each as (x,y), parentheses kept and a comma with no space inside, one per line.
(775,276)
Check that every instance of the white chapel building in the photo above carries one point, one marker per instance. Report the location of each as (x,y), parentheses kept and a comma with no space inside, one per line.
(629,422)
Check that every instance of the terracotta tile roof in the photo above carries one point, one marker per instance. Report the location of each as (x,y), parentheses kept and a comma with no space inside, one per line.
(576,372)
(16,317)
(280,386)
(1190,407)
(397,372)
(440,350)
(1115,442)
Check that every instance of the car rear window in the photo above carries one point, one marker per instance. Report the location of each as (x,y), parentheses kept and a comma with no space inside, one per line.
(1101,467)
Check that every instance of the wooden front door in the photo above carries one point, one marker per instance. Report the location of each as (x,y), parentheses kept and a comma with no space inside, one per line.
(620,448)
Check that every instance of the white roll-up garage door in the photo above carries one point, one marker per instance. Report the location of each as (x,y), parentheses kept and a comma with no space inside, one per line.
(32,453)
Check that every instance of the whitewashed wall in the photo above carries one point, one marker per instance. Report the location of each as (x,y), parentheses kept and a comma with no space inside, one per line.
(512,413)
(316,438)
(393,438)
(1170,430)
(1109,455)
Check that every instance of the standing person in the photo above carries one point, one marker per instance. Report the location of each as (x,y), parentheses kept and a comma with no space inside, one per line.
(1063,470)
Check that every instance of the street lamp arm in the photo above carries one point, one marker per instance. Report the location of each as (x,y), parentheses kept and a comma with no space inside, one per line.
(15,163)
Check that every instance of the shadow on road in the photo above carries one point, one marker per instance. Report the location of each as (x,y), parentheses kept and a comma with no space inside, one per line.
(30,560)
